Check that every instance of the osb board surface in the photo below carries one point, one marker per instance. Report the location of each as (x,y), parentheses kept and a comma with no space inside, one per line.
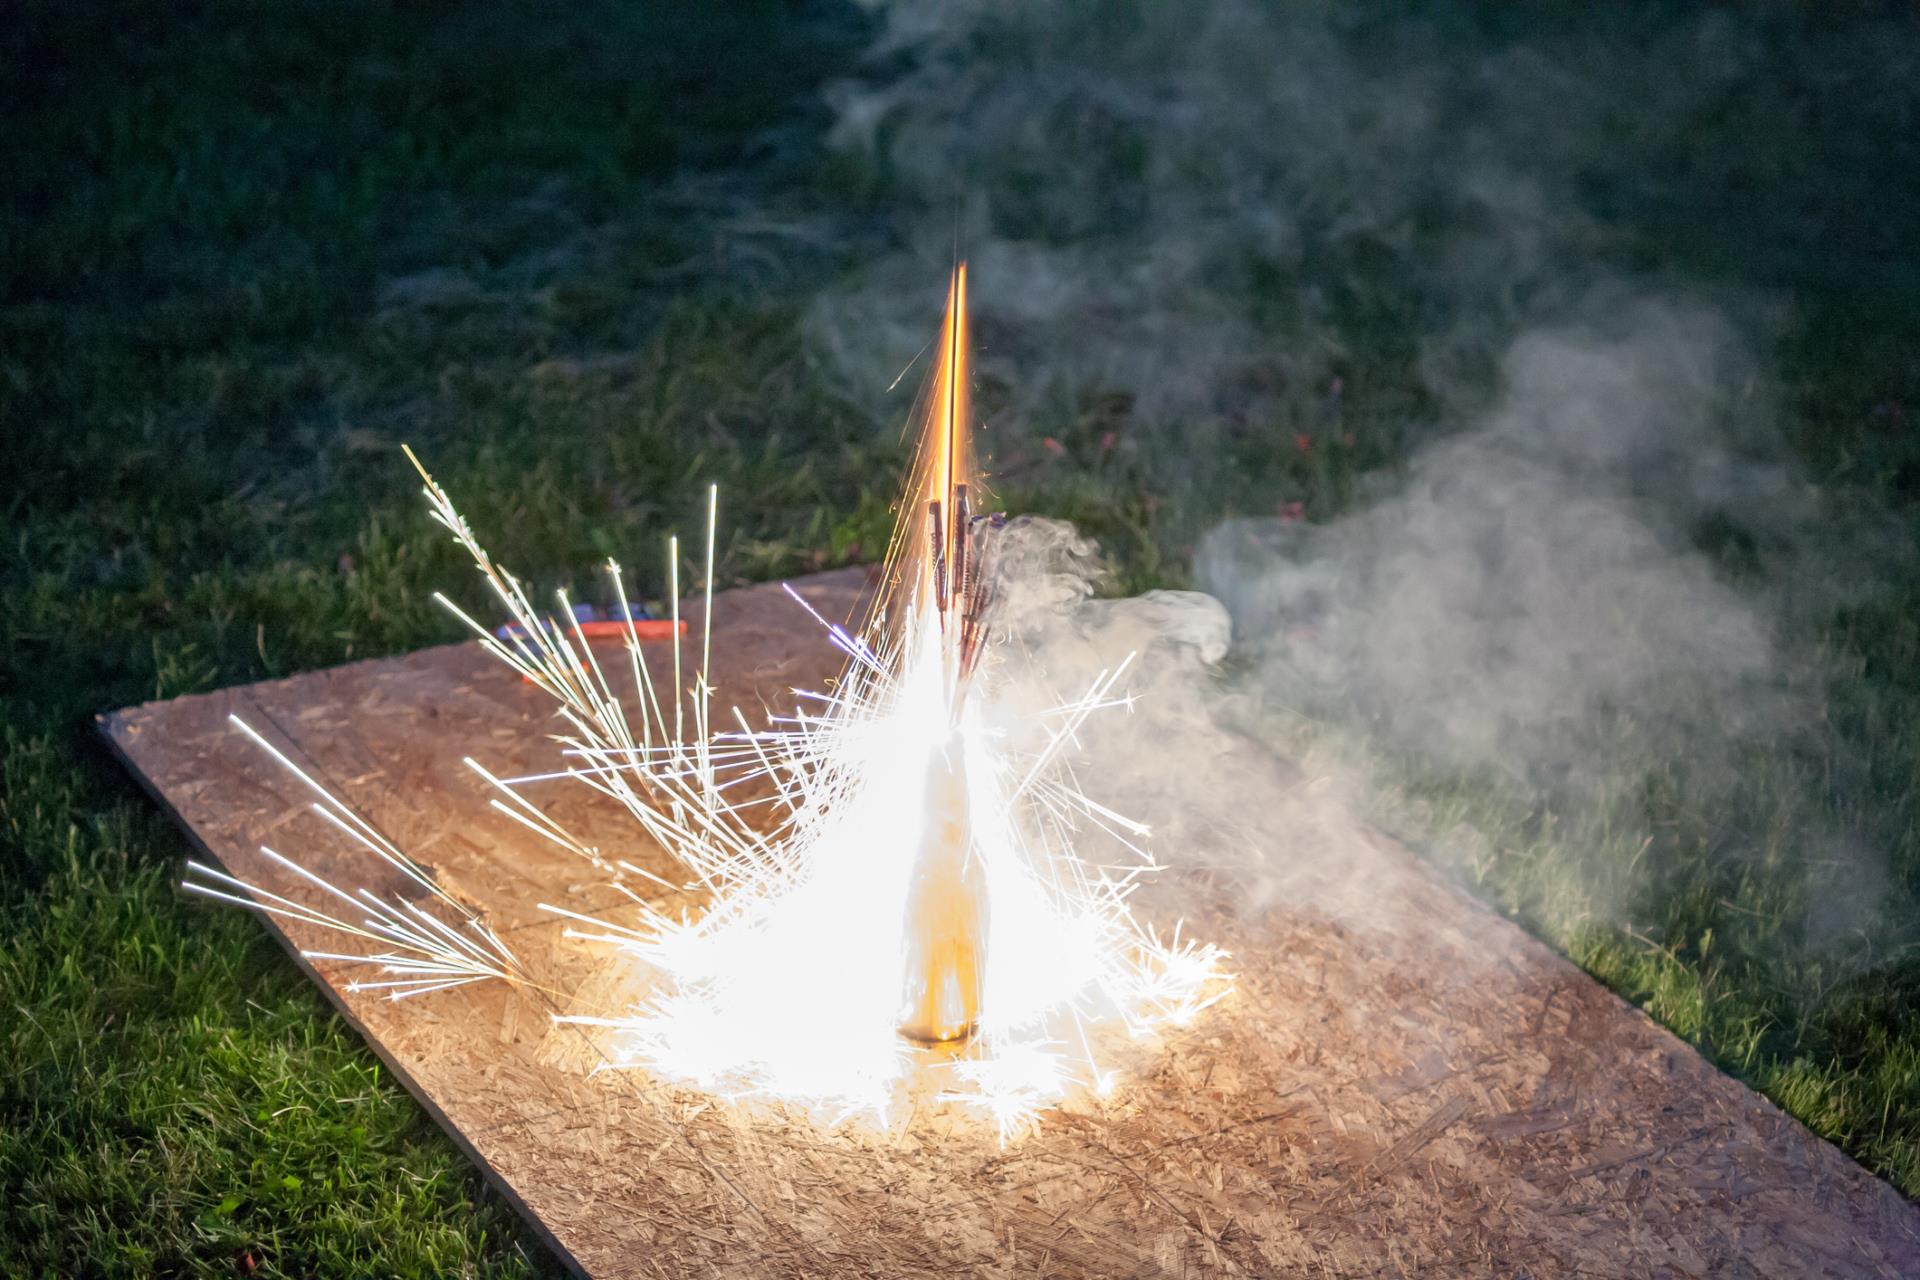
(1445,1098)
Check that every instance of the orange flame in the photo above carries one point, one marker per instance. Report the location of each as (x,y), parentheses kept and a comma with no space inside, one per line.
(942,488)
(949,434)
(946,909)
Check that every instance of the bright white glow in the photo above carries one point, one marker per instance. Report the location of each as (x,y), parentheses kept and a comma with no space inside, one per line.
(790,985)
(803,832)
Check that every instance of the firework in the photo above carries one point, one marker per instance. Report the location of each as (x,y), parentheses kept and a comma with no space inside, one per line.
(892,873)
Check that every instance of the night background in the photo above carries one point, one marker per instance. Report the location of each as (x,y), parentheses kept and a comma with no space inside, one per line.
(1536,386)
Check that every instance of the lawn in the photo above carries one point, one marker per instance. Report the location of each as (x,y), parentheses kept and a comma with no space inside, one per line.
(588,258)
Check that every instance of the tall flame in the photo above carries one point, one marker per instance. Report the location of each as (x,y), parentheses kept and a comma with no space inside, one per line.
(946,927)
(928,559)
(898,862)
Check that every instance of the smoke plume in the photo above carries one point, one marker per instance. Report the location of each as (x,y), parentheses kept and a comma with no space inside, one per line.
(1575,608)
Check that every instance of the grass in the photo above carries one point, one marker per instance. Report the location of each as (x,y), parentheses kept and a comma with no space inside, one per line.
(246,250)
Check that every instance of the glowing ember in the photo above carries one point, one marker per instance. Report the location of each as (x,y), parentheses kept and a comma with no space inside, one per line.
(890,869)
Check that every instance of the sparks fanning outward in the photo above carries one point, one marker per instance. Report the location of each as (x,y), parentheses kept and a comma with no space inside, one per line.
(886,873)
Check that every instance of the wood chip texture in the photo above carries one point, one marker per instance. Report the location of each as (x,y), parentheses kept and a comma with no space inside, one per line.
(1448,1098)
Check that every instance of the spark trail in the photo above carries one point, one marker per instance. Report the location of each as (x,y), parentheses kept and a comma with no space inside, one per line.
(893,888)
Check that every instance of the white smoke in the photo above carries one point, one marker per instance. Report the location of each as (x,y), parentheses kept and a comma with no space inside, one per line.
(1215,800)
(1187,209)
(1517,585)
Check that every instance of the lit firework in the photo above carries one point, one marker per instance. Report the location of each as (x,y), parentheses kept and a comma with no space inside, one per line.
(891,871)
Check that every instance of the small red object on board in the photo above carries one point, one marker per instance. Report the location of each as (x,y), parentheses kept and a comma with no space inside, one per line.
(610,629)
(643,629)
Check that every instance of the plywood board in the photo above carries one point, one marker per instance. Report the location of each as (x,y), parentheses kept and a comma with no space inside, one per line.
(1448,1098)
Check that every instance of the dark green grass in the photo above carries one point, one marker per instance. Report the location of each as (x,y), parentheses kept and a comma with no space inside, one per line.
(247,250)
(203,388)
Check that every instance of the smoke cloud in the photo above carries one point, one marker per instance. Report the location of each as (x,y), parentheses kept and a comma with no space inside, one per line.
(1573,610)
(1520,611)
(1514,585)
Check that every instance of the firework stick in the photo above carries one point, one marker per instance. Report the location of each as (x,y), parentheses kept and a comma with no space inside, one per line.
(939,548)
(961,530)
